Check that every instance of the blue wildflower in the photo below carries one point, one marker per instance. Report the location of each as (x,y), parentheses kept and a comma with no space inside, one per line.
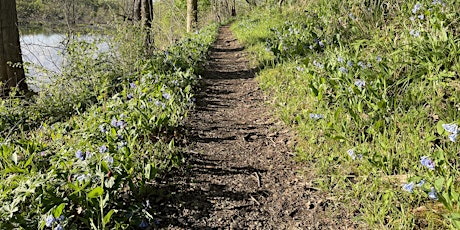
(317,64)
(102,128)
(350,63)
(79,155)
(453,137)
(130,96)
(300,69)
(339,59)
(414,33)
(343,69)
(425,161)
(320,43)
(421,16)
(109,159)
(453,130)
(88,155)
(353,156)
(49,221)
(316,116)
(421,183)
(143,224)
(59,227)
(132,85)
(409,187)
(437,2)
(103,149)
(360,83)
(432,194)
(416,8)
(167,96)
(351,153)
(61,218)
(114,122)
(122,124)
(80,177)
(363,66)
(378,58)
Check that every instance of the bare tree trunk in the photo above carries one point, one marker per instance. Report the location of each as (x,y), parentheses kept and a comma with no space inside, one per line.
(147,15)
(137,10)
(192,15)
(11,69)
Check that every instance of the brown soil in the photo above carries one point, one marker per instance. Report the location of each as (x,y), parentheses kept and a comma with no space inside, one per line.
(241,174)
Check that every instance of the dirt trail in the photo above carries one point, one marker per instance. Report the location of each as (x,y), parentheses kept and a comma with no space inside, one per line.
(241,174)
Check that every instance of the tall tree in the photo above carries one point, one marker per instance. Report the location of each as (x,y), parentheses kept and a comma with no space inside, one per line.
(11,68)
(192,15)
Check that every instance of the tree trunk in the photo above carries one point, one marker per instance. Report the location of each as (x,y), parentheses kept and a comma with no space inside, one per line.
(192,15)
(146,16)
(11,65)
(137,10)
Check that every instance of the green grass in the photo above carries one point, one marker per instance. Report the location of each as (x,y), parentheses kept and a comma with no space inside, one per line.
(371,137)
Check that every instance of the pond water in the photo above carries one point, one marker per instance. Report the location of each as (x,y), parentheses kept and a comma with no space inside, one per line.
(44,54)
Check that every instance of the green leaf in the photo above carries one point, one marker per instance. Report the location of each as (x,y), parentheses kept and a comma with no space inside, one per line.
(439,127)
(58,210)
(106,218)
(147,171)
(96,192)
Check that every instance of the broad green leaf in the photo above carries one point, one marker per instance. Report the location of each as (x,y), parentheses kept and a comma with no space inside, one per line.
(106,218)
(58,210)
(96,192)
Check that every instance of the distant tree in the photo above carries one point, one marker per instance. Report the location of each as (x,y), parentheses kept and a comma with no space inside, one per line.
(192,15)
(11,69)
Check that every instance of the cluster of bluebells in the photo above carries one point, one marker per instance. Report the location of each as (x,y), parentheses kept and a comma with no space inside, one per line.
(318,64)
(453,131)
(410,186)
(82,156)
(50,220)
(360,83)
(414,33)
(167,96)
(118,123)
(315,116)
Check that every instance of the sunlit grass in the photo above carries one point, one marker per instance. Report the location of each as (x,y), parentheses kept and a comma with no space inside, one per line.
(368,87)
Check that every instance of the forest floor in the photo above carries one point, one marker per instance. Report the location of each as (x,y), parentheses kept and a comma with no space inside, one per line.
(241,172)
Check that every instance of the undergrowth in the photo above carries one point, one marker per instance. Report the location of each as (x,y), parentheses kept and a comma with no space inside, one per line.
(372,89)
(84,152)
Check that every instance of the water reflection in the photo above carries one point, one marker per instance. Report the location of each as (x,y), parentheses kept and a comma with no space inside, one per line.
(44,54)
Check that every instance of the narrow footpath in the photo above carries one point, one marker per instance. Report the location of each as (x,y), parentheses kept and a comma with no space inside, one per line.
(241,173)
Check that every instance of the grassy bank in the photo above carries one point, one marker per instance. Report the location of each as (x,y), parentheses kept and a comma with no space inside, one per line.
(372,91)
(84,152)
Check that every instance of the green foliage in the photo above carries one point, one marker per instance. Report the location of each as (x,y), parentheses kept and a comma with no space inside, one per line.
(371,89)
(82,153)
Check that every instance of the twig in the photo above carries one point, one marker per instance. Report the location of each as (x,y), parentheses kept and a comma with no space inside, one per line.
(258,178)
(254,199)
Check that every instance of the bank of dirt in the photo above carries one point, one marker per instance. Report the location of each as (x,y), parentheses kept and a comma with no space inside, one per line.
(240,173)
